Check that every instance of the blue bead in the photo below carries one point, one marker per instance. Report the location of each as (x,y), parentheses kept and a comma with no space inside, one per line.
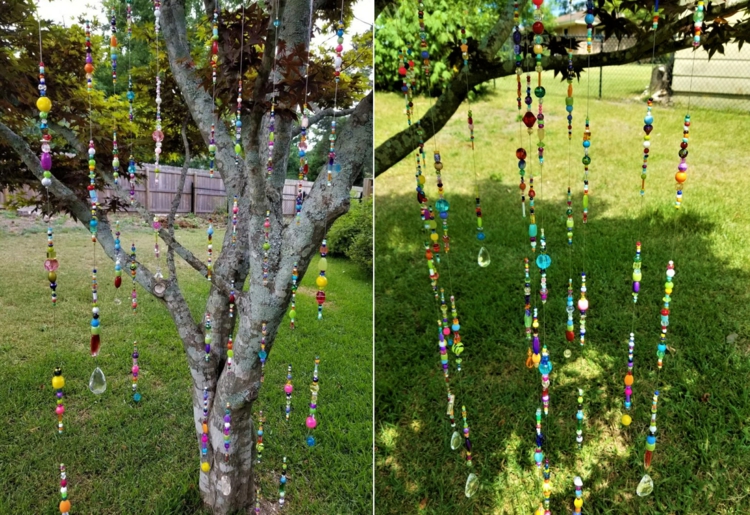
(95,323)
(301,153)
(262,354)
(651,439)
(538,456)
(543,261)
(276,23)
(662,347)
(569,109)
(238,123)
(480,236)
(283,480)
(340,32)
(310,441)
(444,215)
(579,415)
(589,19)
(137,397)
(425,54)
(93,223)
(442,205)
(131,95)
(586,143)
(456,327)
(210,231)
(648,120)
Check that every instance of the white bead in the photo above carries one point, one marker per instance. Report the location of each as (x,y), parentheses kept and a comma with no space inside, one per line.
(652,429)
(95,311)
(577,481)
(646,143)
(337,61)
(670,272)
(46,182)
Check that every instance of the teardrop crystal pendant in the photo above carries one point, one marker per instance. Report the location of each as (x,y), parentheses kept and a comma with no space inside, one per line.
(645,487)
(472,485)
(97,382)
(483,259)
(455,440)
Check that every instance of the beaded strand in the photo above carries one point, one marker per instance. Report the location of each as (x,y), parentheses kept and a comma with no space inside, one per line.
(579,419)
(227,431)
(681,175)
(51,264)
(230,355)
(458,346)
(648,121)
(135,370)
(64,502)
(235,211)
(578,501)
(583,306)
(266,246)
(282,483)
(157,135)
(232,300)
(293,303)
(322,281)
(133,268)
(637,273)
(589,19)
(333,166)
(546,486)
(95,322)
(311,421)
(626,418)
(661,349)
(263,355)
(651,437)
(210,249)
(113,58)
(214,59)
(205,465)
(272,114)
(539,452)
(259,442)
(58,383)
(527,317)
(472,483)
(288,389)
(545,367)
(208,337)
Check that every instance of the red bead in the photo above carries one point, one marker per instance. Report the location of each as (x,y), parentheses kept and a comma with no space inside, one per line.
(521,153)
(215,47)
(401,71)
(320,297)
(538,27)
(570,336)
(529,119)
(118,281)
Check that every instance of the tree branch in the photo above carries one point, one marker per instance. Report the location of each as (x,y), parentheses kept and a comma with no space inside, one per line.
(178,197)
(500,32)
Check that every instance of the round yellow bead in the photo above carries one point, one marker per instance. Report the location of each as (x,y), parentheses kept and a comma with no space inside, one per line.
(626,420)
(578,502)
(58,382)
(434,236)
(44,104)
(321,281)
(205,467)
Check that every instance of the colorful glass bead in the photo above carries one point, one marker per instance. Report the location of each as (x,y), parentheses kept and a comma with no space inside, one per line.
(586,161)
(64,501)
(205,465)
(208,337)
(661,348)
(210,249)
(58,383)
(227,430)
(322,280)
(135,370)
(583,306)
(259,442)
(266,246)
(262,354)
(579,419)
(651,437)
(288,389)
(293,303)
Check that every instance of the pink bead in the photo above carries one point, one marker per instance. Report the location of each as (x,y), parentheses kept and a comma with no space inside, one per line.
(157,135)
(266,224)
(583,304)
(60,409)
(51,265)
(135,369)
(64,483)
(339,48)
(46,161)
(311,422)
(204,438)
(288,389)
(628,390)
(446,331)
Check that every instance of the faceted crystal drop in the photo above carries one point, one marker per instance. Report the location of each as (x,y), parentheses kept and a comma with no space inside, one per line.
(472,485)
(483,259)
(645,487)
(97,382)
(455,440)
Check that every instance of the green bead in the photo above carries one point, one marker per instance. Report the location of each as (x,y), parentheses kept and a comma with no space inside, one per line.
(539,91)
(586,160)
(230,353)
(212,148)
(92,162)
(237,148)
(585,201)
(479,222)
(650,446)
(95,330)
(293,314)
(568,101)
(570,223)
(266,246)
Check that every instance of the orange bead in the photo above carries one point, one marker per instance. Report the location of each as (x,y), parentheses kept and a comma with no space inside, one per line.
(464,48)
(628,380)
(89,68)
(64,506)
(680,177)
(205,428)
(113,41)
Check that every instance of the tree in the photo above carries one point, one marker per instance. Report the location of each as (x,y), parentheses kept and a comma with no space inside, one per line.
(188,112)
(486,61)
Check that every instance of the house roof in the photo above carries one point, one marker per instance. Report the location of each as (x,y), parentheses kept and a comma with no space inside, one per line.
(571,19)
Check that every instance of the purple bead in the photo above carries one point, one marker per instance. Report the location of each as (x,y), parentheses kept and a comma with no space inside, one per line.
(135,355)
(636,287)
(59,395)
(46,161)
(313,406)
(516,37)
(227,418)
(226,446)
(208,348)
(682,166)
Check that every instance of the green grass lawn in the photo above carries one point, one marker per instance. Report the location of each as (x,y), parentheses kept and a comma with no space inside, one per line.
(120,455)
(703,450)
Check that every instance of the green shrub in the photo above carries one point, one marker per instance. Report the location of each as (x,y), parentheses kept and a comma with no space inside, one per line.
(351,235)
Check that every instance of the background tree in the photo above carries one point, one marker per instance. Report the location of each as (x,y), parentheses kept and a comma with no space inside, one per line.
(487,35)
(187,113)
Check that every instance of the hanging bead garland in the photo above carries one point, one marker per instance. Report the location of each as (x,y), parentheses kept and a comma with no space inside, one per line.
(95,322)
(637,274)
(521,156)
(432,268)
(543,261)
(238,116)
(579,419)
(257,501)
(681,175)
(698,23)
(157,225)
(64,502)
(527,318)
(131,93)
(322,281)
(208,338)
(457,346)
(651,437)
(648,121)
(546,486)
(205,465)
(589,19)
(288,389)
(230,354)
(232,300)
(303,164)
(58,383)
(661,349)
(157,135)
(210,249)
(118,262)
(266,246)
(51,264)
(113,58)
(583,306)
(536,357)
(539,91)
(235,211)
(539,453)
(293,304)
(282,483)
(131,178)
(569,309)
(227,430)
(133,268)
(586,162)
(626,418)
(89,67)
(214,64)
(472,483)
(545,367)
(263,355)
(333,166)
(259,442)
(272,114)
(311,421)
(135,370)
(578,501)
(44,104)
(442,205)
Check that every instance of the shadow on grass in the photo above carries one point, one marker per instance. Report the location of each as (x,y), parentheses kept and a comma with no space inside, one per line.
(703,438)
